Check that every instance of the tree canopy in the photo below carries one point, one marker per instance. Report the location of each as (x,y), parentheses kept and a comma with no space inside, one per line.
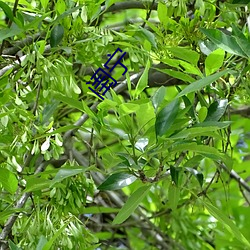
(159,159)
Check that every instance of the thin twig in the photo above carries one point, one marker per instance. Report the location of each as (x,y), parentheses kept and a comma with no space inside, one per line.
(148,14)
(235,176)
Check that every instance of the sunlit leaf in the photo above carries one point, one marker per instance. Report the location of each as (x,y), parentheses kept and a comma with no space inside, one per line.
(216,110)
(143,81)
(8,180)
(158,97)
(214,61)
(117,181)
(223,41)
(7,10)
(198,85)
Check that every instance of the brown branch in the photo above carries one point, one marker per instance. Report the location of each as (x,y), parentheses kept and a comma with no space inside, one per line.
(235,176)
(21,44)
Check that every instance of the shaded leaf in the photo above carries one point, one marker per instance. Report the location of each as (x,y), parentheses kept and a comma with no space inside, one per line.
(56,35)
(245,2)
(216,110)
(132,203)
(166,117)
(198,175)
(174,172)
(117,181)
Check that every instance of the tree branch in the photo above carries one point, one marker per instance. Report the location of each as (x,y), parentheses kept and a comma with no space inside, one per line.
(236,177)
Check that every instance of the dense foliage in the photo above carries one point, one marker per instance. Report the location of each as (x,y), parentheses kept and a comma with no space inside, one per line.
(162,162)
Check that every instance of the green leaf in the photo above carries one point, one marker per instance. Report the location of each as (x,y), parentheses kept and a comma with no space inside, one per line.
(33,183)
(245,2)
(216,110)
(66,172)
(9,211)
(7,10)
(49,110)
(44,3)
(204,150)
(132,203)
(173,196)
(158,97)
(147,35)
(202,114)
(244,45)
(198,175)
(117,181)
(174,172)
(223,41)
(219,125)
(166,117)
(177,74)
(197,85)
(70,101)
(41,243)
(13,246)
(186,54)
(227,223)
(13,31)
(214,61)
(143,81)
(8,180)
(56,35)
(162,12)
(98,210)
(49,244)
(128,108)
(193,132)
